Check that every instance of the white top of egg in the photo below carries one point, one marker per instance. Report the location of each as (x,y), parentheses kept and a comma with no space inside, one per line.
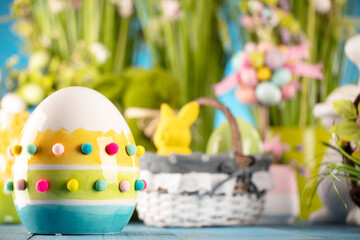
(77,107)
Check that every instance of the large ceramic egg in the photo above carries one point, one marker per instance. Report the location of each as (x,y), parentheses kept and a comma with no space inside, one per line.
(76,169)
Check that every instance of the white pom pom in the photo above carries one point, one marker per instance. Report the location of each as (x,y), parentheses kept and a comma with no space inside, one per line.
(322,6)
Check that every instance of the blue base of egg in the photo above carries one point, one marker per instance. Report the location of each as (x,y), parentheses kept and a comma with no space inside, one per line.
(55,219)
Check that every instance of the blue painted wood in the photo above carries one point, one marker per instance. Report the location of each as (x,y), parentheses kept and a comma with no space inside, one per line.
(140,231)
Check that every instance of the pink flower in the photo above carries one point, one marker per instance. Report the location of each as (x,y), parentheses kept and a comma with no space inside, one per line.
(171,9)
(247,22)
(276,147)
(264,46)
(288,91)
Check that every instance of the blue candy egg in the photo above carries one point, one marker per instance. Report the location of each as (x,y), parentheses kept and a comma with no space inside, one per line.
(281,77)
(268,93)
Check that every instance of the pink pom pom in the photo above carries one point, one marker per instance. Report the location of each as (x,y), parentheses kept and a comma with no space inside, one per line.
(124,186)
(58,149)
(246,95)
(248,77)
(42,185)
(9,152)
(145,184)
(288,91)
(112,148)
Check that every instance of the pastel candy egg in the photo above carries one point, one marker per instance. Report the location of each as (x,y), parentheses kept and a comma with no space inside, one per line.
(263,73)
(281,77)
(268,93)
(257,59)
(248,77)
(250,47)
(275,59)
(73,151)
(246,95)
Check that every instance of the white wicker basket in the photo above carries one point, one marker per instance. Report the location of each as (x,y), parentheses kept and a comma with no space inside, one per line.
(159,207)
(162,209)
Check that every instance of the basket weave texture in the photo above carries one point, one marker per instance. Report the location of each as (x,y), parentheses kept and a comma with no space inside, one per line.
(243,206)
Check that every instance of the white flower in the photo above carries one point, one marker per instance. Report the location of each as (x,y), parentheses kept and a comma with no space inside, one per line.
(57,6)
(171,9)
(100,52)
(38,60)
(125,8)
(322,6)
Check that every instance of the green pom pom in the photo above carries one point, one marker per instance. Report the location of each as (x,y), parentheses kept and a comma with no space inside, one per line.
(100,185)
(9,186)
(31,149)
(139,185)
(86,148)
(131,149)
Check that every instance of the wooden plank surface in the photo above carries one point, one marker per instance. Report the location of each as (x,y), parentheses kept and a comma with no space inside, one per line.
(136,231)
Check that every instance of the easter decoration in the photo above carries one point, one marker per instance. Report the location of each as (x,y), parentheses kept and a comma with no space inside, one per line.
(76,166)
(193,189)
(12,119)
(339,106)
(267,71)
(339,178)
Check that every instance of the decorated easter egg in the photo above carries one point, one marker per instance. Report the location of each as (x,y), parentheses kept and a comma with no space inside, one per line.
(263,73)
(220,138)
(275,59)
(248,77)
(76,168)
(281,77)
(246,95)
(256,59)
(268,93)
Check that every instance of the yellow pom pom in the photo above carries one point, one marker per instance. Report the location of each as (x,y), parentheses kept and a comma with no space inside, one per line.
(140,150)
(263,74)
(72,185)
(17,149)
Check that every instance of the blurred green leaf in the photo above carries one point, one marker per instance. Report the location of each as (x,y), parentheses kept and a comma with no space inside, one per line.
(347,130)
(345,109)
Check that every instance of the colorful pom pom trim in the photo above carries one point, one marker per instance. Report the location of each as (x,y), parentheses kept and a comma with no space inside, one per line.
(100,185)
(20,185)
(139,185)
(86,148)
(9,152)
(58,149)
(9,186)
(72,185)
(42,185)
(16,150)
(140,150)
(112,149)
(31,149)
(131,149)
(124,186)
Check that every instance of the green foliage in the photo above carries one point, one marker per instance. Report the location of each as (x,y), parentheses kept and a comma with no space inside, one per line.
(345,109)
(347,130)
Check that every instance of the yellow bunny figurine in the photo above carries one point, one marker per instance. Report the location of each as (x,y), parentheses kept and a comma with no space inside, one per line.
(173,134)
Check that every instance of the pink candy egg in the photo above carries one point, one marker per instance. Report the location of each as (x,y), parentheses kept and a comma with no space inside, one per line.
(248,77)
(246,95)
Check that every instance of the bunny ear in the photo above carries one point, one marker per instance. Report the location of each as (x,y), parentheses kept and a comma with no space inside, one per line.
(189,113)
(166,111)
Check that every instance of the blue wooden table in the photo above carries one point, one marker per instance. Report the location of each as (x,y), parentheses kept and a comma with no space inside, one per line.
(139,231)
